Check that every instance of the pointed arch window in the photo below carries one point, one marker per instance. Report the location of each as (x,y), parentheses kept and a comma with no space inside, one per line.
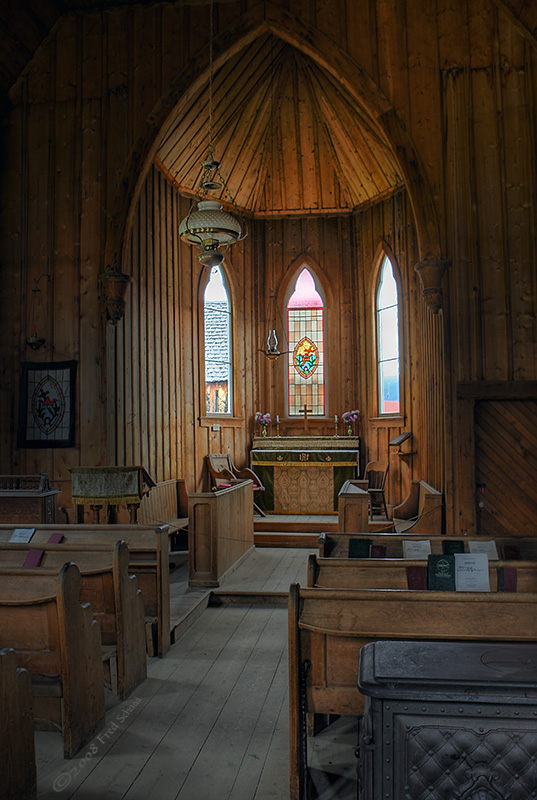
(388,361)
(218,345)
(305,337)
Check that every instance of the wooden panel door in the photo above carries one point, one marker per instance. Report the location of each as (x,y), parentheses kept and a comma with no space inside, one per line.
(506,467)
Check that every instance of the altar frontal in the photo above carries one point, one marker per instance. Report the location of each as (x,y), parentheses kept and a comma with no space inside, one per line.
(303,481)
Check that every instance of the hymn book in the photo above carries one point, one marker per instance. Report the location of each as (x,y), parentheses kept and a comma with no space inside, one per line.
(359,548)
(22,535)
(450,546)
(487,546)
(472,572)
(441,573)
(420,548)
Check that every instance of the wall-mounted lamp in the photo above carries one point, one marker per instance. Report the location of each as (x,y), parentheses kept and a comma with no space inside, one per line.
(36,314)
(114,284)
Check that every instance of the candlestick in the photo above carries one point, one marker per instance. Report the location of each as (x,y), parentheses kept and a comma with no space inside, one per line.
(336,425)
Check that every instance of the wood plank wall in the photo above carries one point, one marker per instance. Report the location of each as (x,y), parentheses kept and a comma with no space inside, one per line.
(345,253)
(462,79)
(156,402)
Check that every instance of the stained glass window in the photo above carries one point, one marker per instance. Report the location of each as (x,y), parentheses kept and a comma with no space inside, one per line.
(305,338)
(388,340)
(217,331)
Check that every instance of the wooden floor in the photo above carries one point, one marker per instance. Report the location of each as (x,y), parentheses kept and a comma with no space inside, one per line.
(211,720)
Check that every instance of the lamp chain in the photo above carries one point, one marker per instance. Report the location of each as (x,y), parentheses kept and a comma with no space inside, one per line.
(211,28)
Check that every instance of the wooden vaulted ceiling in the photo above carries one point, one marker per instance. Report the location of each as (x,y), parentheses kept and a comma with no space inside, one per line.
(289,138)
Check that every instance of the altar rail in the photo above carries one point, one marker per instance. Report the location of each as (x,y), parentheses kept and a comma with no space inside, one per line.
(220,532)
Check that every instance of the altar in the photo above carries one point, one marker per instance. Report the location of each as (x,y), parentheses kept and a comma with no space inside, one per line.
(304,474)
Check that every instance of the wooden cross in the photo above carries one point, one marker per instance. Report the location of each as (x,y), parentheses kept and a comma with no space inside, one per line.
(305,411)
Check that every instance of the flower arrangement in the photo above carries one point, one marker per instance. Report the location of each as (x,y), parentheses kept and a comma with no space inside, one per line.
(349,418)
(263,420)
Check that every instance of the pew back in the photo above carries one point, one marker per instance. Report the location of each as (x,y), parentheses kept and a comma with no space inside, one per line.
(336,545)
(18,773)
(148,560)
(58,641)
(391,573)
(328,627)
(116,602)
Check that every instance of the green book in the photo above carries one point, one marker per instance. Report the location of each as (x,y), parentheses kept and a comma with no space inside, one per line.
(441,573)
(359,548)
(450,546)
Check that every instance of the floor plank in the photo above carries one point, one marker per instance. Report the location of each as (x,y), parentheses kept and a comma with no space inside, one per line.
(212,717)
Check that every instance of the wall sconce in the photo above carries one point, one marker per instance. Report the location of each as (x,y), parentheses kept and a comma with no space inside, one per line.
(36,314)
(114,284)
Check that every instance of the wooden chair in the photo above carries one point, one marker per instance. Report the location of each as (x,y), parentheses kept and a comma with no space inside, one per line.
(376,473)
(224,473)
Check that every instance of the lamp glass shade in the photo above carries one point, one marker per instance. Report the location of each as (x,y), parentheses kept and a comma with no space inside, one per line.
(210,221)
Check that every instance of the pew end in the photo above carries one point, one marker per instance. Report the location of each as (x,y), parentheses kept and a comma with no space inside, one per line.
(18,775)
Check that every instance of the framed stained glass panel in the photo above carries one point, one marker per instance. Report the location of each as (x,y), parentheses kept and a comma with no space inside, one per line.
(47,404)
(305,337)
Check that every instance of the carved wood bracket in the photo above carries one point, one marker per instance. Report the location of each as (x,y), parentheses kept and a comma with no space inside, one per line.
(431,272)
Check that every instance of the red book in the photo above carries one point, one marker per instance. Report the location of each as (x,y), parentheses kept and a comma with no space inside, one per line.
(33,559)
(416,577)
(510,552)
(377,551)
(507,579)
(55,538)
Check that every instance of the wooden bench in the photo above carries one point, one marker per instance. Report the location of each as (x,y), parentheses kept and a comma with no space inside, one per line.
(148,560)
(167,503)
(420,511)
(391,573)
(116,603)
(328,627)
(18,773)
(58,641)
(336,545)
(353,509)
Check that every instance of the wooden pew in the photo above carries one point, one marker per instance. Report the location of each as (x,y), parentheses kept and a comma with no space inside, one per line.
(167,504)
(328,627)
(116,603)
(148,560)
(420,511)
(390,573)
(18,773)
(58,641)
(336,545)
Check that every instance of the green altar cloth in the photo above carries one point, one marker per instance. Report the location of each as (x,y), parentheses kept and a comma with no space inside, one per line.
(303,481)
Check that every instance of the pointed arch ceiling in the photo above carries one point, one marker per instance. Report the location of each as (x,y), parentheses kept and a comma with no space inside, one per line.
(291,140)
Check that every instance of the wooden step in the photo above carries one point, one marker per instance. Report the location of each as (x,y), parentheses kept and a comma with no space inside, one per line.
(292,526)
(286,539)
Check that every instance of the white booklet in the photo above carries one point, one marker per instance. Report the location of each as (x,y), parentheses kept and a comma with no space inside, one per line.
(472,572)
(421,548)
(487,546)
(22,535)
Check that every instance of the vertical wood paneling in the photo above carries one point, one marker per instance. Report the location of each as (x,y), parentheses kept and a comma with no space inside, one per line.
(74,119)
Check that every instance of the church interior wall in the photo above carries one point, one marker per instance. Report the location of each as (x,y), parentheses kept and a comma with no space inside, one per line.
(462,82)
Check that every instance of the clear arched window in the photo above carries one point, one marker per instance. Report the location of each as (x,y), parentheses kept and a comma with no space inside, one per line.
(218,345)
(388,362)
(305,337)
